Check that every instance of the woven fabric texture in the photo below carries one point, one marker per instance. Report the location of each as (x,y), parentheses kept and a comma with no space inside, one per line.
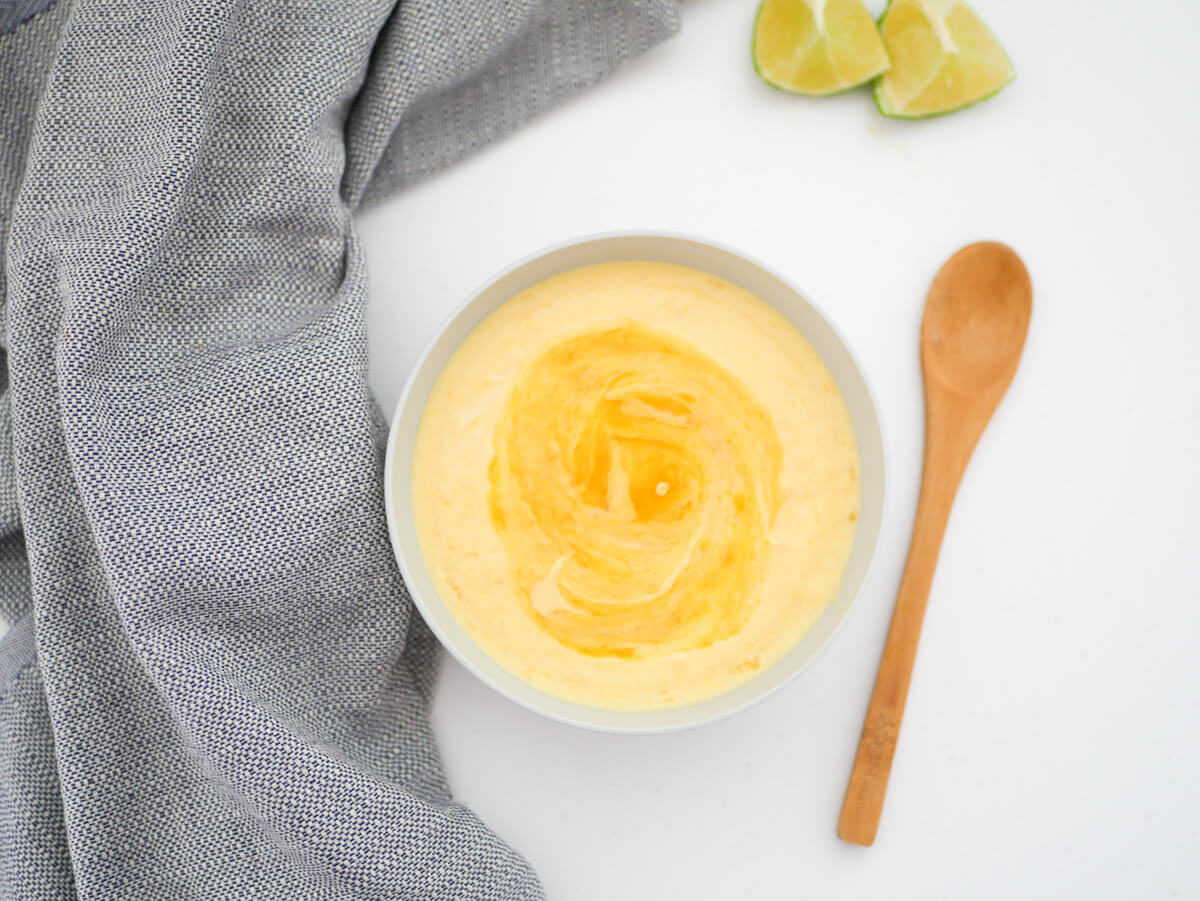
(214,685)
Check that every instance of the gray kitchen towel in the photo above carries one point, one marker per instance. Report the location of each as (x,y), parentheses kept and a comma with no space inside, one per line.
(214,685)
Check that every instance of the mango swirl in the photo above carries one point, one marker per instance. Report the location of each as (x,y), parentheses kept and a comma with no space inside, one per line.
(633,487)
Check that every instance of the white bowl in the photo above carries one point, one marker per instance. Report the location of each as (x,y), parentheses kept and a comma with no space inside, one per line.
(733,267)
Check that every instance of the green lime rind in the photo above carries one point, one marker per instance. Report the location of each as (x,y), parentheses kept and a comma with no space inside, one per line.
(881,102)
(796,92)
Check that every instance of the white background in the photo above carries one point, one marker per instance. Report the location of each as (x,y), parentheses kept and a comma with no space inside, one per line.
(1052,741)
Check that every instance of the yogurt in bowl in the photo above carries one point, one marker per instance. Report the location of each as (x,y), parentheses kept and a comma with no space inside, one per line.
(635,482)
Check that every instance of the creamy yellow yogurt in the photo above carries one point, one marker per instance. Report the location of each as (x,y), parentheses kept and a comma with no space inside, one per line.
(636,485)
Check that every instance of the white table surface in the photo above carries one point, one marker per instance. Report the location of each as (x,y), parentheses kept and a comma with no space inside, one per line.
(1052,740)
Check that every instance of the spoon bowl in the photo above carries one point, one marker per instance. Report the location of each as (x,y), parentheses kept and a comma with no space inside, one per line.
(976,318)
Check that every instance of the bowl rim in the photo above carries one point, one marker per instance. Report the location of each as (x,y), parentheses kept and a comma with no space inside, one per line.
(402,558)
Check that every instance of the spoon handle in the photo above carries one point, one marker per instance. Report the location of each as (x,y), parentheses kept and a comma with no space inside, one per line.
(945,460)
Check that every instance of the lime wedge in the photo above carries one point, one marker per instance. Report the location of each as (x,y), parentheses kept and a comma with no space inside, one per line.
(816,46)
(943,59)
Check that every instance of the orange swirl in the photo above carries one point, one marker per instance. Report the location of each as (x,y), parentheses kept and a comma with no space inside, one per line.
(633,487)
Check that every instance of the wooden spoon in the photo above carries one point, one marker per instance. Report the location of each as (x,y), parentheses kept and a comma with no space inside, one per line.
(976,318)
